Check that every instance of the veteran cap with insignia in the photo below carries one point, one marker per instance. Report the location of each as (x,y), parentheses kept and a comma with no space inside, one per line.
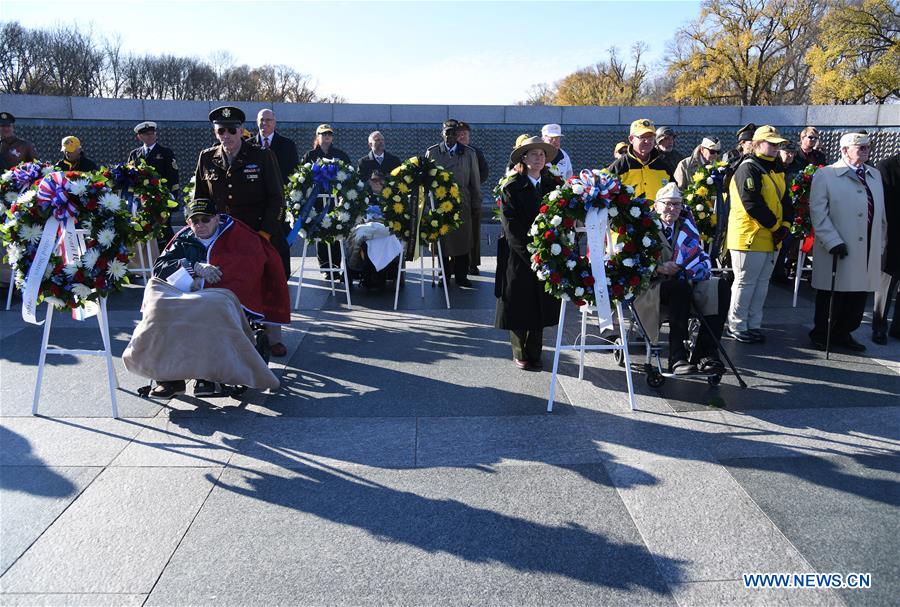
(323,129)
(227,115)
(857,138)
(641,126)
(7,119)
(145,126)
(199,206)
(745,133)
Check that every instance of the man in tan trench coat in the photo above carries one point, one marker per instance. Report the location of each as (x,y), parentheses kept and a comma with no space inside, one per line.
(462,163)
(846,204)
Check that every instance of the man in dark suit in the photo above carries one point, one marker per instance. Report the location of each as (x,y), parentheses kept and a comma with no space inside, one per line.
(377,159)
(284,148)
(160,158)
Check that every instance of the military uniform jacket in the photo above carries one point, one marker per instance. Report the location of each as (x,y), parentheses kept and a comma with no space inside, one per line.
(249,189)
(160,158)
(14,150)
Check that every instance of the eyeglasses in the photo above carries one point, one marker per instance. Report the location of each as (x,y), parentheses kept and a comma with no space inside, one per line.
(812,137)
(200,219)
(231,129)
(671,205)
(713,152)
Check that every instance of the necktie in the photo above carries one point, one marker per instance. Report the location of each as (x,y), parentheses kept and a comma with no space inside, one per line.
(861,173)
(265,143)
(378,159)
(146,151)
(667,230)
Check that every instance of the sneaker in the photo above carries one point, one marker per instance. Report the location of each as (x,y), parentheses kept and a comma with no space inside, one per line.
(167,389)
(745,337)
(758,334)
(204,387)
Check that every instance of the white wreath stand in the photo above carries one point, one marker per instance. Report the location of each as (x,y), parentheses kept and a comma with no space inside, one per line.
(146,267)
(798,272)
(437,268)
(331,271)
(106,352)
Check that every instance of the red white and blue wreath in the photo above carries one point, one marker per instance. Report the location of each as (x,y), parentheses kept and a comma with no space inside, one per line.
(327,219)
(15,181)
(633,226)
(41,243)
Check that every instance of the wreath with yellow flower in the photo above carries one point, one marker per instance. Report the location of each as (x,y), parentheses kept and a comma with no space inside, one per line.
(700,197)
(146,195)
(332,218)
(404,200)
(87,201)
(633,225)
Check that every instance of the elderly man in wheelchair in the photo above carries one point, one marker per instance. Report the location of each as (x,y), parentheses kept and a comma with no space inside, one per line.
(214,283)
(684,284)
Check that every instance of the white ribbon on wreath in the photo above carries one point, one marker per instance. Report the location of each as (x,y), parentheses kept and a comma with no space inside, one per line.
(596,224)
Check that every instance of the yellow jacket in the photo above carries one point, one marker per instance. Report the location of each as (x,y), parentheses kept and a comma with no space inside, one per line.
(760,204)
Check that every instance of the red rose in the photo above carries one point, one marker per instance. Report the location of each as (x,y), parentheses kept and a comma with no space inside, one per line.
(646,222)
(154,182)
(622,230)
(499,203)
(54,290)
(618,290)
(563,202)
(544,208)
(123,257)
(566,251)
(101,264)
(549,235)
(622,198)
(628,247)
(579,302)
(90,242)
(71,303)
(588,281)
(795,188)
(536,258)
(98,184)
(79,276)
(91,205)
(635,281)
(569,222)
(14,207)
(100,283)
(71,175)
(58,269)
(555,278)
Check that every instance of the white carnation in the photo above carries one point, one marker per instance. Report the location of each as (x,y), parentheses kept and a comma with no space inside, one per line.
(710,180)
(116,269)
(81,291)
(619,246)
(111,201)
(352,195)
(554,194)
(556,220)
(77,187)
(344,216)
(613,211)
(303,234)
(555,249)
(296,195)
(579,291)
(628,262)
(578,189)
(106,237)
(89,259)
(7,176)
(596,172)
(565,297)
(635,211)
(15,252)
(646,241)
(533,231)
(341,176)
(326,222)
(699,207)
(571,264)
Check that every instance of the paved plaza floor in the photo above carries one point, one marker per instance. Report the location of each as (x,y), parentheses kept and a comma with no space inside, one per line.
(406,461)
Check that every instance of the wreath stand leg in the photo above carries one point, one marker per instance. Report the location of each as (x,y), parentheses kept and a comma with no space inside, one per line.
(12,285)
(106,352)
(400,270)
(440,261)
(300,278)
(344,272)
(801,259)
(581,346)
(330,266)
(146,267)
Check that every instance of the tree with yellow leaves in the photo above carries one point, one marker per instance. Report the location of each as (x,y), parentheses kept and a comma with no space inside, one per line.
(857,58)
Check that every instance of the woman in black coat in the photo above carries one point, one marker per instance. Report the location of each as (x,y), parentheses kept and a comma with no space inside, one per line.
(523,308)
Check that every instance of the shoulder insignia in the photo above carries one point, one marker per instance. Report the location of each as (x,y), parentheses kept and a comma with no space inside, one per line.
(174,164)
(750,184)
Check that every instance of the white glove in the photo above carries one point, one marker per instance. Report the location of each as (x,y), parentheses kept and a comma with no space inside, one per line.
(208,272)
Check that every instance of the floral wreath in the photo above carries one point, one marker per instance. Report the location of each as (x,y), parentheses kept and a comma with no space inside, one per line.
(87,200)
(335,220)
(700,198)
(417,176)
(18,179)
(633,226)
(800,186)
(144,191)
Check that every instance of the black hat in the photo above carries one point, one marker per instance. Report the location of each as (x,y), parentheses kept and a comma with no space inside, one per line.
(463,126)
(376,174)
(227,115)
(198,206)
(745,133)
(451,124)
(6,119)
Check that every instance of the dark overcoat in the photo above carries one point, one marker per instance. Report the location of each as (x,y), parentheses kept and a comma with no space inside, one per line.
(522,303)
(890,177)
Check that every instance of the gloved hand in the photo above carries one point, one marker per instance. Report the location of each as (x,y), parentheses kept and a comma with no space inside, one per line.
(780,234)
(195,284)
(208,272)
(840,250)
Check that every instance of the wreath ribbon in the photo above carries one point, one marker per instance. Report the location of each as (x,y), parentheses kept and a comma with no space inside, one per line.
(596,222)
(322,176)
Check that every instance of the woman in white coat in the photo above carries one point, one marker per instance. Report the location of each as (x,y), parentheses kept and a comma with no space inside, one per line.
(846,205)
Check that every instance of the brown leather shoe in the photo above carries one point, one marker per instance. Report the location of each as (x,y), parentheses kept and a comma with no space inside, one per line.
(278,350)
(522,364)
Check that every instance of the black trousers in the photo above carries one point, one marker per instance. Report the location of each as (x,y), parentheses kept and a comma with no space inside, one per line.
(458,265)
(322,254)
(884,296)
(846,318)
(676,295)
(527,345)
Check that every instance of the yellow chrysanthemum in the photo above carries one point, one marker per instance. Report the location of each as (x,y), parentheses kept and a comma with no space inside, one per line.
(446,207)
(454,191)
(702,191)
(386,192)
(444,229)
(398,207)
(403,188)
(397,171)
(396,226)
(698,177)
(414,160)
(441,192)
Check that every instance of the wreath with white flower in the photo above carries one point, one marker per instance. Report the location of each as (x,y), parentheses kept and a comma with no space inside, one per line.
(800,188)
(334,219)
(18,179)
(419,176)
(87,200)
(633,227)
(700,197)
(146,194)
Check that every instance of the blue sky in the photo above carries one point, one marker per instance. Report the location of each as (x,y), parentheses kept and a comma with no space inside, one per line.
(386,52)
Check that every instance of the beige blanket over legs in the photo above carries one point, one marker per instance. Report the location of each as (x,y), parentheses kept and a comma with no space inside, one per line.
(200,335)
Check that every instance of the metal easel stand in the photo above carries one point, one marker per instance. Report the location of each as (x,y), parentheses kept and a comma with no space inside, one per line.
(106,352)
(437,270)
(12,286)
(146,263)
(331,271)
(801,260)
(581,346)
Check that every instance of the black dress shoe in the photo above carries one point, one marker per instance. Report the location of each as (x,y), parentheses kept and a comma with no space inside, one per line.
(879,337)
(522,364)
(462,281)
(818,342)
(850,343)
(474,271)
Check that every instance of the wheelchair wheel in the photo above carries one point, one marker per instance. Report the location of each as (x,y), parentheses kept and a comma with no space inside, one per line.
(619,355)
(655,379)
(714,380)
(261,339)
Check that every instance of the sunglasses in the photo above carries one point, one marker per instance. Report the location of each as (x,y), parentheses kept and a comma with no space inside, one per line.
(812,137)
(713,152)
(231,129)
(200,219)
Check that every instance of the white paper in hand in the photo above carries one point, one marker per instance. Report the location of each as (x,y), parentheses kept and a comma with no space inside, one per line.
(181,280)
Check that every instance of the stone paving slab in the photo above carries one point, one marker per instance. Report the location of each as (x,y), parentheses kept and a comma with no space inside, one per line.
(72,600)
(117,537)
(32,498)
(732,592)
(36,441)
(430,537)
(853,502)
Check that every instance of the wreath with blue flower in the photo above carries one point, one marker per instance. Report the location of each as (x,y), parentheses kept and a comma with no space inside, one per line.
(334,219)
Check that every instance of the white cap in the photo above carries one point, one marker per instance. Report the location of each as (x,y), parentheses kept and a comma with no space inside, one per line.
(551,130)
(854,139)
(145,125)
(669,191)
(711,144)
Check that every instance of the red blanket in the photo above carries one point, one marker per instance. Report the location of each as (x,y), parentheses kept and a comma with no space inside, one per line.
(252,270)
